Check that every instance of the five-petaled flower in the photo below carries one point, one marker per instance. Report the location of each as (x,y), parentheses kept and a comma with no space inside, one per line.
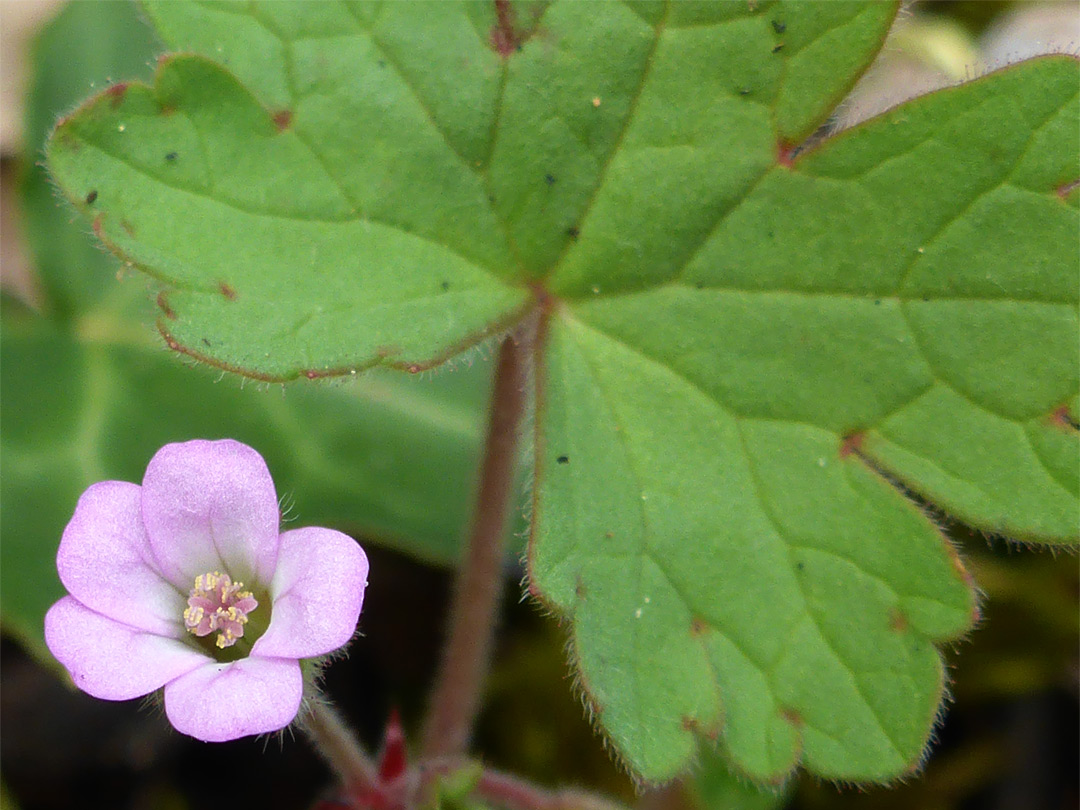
(186,583)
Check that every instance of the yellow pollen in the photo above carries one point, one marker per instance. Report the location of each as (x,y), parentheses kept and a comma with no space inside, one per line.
(212,606)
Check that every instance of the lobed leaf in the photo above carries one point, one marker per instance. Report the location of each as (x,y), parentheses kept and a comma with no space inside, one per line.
(723,434)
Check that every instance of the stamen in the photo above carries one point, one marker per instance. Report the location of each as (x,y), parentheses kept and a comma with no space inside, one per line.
(217,604)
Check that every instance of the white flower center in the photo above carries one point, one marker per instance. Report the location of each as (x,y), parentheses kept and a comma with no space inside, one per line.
(217,604)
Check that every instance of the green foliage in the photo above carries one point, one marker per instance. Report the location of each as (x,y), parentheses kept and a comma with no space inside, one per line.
(715,788)
(89,395)
(757,342)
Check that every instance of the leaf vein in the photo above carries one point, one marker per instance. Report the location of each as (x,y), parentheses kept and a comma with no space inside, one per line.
(617,144)
(810,615)
(257,212)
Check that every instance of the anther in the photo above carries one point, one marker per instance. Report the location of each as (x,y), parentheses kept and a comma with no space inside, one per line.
(217,604)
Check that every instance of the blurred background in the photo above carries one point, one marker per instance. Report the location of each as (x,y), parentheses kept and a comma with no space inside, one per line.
(88,392)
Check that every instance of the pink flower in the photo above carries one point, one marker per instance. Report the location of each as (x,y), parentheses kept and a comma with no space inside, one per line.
(185,583)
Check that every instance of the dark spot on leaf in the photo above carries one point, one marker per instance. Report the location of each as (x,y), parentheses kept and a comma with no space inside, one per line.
(549,179)
(491,198)
(382,63)
(282,120)
(785,155)
(445,286)
(116,94)
(609,535)
(206,342)
(227,290)
(792,716)
(171,156)
(800,566)
(779,46)
(163,305)
(779,27)
(1062,419)
(563,459)
(573,232)
(698,627)
(744,91)
(689,723)
(852,443)
(579,588)
(898,622)
(877,302)
(699,284)
(91,197)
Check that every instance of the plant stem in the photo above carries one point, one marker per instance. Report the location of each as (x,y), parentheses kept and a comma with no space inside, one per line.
(455,698)
(341,750)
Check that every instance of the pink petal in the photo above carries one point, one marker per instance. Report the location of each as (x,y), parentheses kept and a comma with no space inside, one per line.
(219,702)
(211,506)
(110,660)
(105,562)
(317,590)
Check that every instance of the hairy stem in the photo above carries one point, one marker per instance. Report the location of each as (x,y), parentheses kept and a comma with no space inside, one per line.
(455,698)
(339,747)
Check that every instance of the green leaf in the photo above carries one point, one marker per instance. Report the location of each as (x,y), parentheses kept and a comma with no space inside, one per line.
(756,340)
(899,303)
(715,787)
(291,251)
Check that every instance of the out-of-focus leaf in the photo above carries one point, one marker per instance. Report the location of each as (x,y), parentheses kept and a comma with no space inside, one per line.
(387,457)
(7,802)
